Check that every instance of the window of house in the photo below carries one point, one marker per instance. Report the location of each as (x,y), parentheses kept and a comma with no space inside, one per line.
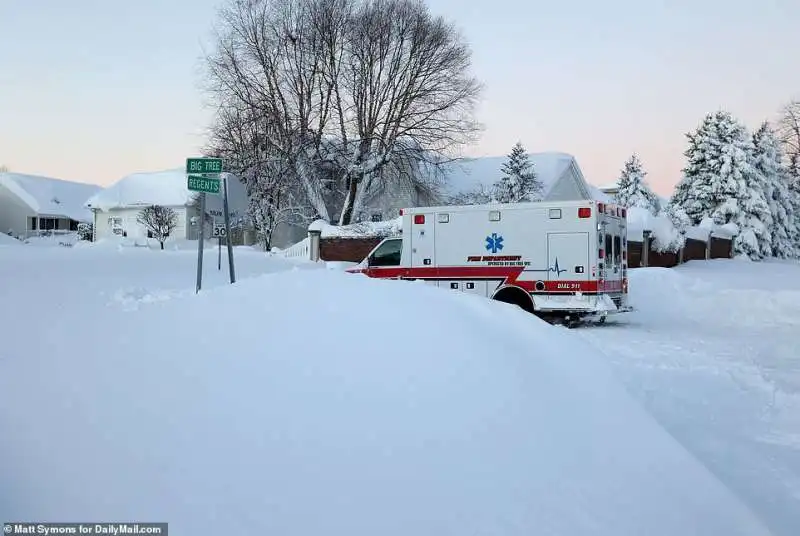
(48,224)
(33,222)
(388,253)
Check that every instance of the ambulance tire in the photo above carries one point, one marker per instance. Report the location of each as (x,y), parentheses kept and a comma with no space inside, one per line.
(515,296)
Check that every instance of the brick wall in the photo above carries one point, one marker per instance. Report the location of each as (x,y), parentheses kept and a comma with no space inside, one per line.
(355,249)
(346,249)
(693,250)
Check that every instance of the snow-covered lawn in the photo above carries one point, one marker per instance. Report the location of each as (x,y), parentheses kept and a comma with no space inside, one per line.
(306,401)
(714,354)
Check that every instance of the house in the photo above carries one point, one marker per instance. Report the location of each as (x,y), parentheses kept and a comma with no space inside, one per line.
(116,208)
(32,205)
(558,172)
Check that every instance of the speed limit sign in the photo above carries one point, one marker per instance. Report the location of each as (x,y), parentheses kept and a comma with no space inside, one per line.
(219,231)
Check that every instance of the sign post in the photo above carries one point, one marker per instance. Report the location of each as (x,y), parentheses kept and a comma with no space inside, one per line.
(200,240)
(231,270)
(203,176)
(219,232)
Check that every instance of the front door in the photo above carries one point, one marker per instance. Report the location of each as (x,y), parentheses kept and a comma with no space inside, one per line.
(568,261)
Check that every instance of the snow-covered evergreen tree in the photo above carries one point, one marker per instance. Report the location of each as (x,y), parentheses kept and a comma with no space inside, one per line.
(793,179)
(519,182)
(721,182)
(768,161)
(633,190)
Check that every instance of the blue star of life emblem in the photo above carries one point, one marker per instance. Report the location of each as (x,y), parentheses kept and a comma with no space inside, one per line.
(494,243)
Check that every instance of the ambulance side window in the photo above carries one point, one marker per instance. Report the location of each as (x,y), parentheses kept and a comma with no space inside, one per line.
(609,250)
(388,254)
(617,250)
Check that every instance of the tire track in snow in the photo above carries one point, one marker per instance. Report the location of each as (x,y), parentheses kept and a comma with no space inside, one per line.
(713,395)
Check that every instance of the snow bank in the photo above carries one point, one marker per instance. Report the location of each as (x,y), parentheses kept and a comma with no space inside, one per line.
(51,197)
(358,230)
(6,240)
(53,240)
(276,406)
(166,188)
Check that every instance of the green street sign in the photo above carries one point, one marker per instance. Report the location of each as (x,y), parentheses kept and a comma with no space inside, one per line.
(204,166)
(203,184)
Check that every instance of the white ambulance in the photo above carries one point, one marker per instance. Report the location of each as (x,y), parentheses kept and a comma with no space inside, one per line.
(564,261)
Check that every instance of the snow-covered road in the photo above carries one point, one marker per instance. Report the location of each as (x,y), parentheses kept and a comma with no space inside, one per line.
(713,352)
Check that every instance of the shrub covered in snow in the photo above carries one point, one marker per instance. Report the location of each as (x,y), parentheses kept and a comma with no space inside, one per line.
(85,231)
(666,236)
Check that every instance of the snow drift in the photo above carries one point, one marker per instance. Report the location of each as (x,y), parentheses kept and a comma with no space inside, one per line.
(6,240)
(277,406)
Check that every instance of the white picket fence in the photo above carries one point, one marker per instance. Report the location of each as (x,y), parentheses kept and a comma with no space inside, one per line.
(300,250)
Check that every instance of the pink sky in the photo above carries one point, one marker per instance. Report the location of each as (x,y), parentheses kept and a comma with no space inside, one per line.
(93,91)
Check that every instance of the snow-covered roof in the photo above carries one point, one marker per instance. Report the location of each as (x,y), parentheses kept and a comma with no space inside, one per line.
(610,186)
(467,175)
(51,197)
(166,188)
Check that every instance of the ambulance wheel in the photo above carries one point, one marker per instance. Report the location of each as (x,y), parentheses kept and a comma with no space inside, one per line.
(515,296)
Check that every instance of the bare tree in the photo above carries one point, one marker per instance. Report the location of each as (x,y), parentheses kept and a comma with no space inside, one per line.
(273,198)
(788,129)
(355,92)
(159,221)
(3,168)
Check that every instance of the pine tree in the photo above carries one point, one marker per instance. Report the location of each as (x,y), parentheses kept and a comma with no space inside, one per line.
(768,161)
(721,183)
(633,190)
(519,182)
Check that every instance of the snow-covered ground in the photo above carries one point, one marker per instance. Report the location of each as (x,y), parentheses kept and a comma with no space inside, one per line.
(309,401)
(713,353)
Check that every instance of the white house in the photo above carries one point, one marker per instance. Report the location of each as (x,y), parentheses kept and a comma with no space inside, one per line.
(117,207)
(559,173)
(32,205)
